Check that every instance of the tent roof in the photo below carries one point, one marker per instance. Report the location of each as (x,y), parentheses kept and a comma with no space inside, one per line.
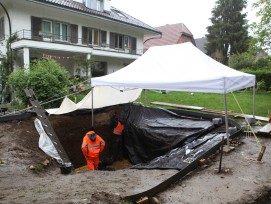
(180,67)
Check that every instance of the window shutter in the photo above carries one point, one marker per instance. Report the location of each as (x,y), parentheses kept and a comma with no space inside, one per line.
(35,27)
(74,33)
(112,40)
(133,45)
(2,28)
(84,35)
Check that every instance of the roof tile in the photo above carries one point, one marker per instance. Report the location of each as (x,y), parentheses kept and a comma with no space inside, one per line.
(171,33)
(113,14)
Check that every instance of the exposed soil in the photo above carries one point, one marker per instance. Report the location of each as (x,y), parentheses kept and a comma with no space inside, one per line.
(243,179)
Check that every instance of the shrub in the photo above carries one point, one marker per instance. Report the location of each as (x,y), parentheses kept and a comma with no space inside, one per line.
(45,77)
(262,77)
(241,61)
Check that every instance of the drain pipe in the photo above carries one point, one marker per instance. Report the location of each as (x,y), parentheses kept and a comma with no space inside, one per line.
(11,67)
(156,37)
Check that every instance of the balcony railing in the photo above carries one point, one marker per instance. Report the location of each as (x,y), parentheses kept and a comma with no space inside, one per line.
(61,39)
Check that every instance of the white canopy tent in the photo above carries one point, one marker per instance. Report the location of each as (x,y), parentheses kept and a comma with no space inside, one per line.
(180,67)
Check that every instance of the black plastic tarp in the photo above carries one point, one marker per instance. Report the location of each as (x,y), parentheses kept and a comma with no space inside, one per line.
(179,158)
(152,132)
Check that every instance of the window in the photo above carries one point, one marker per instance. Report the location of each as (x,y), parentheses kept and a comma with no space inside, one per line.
(126,42)
(89,36)
(96,37)
(95,4)
(99,69)
(61,31)
(46,26)
(119,41)
(103,38)
(2,28)
(119,13)
(93,36)
(100,6)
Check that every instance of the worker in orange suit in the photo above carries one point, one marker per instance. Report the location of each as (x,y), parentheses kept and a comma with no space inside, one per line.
(117,138)
(92,146)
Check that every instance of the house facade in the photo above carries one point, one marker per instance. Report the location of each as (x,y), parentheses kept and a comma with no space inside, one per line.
(72,32)
(171,34)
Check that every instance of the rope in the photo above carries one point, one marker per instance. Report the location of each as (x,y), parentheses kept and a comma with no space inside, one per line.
(43,103)
(249,126)
(64,96)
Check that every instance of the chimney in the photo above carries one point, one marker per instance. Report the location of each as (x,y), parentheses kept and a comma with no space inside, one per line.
(99,5)
(107,5)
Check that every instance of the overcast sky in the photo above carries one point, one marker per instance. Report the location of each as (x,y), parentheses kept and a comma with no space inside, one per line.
(194,14)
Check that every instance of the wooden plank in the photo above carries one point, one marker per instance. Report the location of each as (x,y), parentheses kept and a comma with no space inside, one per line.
(177,105)
(218,112)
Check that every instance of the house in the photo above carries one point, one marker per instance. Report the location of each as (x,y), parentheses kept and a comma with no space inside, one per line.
(171,34)
(72,32)
(200,43)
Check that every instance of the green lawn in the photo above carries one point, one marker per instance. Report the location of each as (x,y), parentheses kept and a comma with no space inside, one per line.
(214,101)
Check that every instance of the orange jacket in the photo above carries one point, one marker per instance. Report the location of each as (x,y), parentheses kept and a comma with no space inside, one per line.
(92,149)
(118,129)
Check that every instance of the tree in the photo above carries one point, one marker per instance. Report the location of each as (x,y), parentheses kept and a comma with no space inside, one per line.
(262,29)
(47,79)
(6,67)
(228,33)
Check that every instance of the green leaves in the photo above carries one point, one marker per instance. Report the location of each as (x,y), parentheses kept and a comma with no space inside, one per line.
(262,29)
(47,79)
(228,33)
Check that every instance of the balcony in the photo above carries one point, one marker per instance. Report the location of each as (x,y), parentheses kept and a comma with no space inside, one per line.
(68,40)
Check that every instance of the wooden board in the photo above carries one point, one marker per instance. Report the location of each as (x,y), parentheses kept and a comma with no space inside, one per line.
(177,105)
(218,112)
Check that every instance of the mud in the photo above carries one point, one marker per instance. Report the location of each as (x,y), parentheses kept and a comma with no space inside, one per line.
(243,179)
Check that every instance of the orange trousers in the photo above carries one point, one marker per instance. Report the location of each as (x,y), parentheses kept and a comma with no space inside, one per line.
(92,163)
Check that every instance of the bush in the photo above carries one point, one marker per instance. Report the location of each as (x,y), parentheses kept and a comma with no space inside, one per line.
(45,77)
(263,77)
(241,61)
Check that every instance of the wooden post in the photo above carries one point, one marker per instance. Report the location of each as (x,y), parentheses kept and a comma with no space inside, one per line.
(221,152)
(261,153)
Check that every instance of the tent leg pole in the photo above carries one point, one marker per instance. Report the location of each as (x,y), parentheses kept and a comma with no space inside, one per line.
(254,91)
(226,121)
(92,114)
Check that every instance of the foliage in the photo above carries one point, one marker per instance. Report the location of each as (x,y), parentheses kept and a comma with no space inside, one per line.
(6,68)
(263,63)
(45,77)
(262,29)
(85,66)
(263,77)
(241,61)
(229,30)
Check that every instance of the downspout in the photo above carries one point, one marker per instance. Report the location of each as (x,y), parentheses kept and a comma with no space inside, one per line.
(11,67)
(156,37)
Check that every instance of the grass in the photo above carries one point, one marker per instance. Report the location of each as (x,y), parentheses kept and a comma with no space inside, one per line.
(214,101)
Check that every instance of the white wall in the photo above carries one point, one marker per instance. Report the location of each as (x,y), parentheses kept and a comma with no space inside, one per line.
(21,11)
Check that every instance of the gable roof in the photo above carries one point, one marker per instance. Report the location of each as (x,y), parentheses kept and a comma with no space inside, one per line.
(200,43)
(114,15)
(171,33)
